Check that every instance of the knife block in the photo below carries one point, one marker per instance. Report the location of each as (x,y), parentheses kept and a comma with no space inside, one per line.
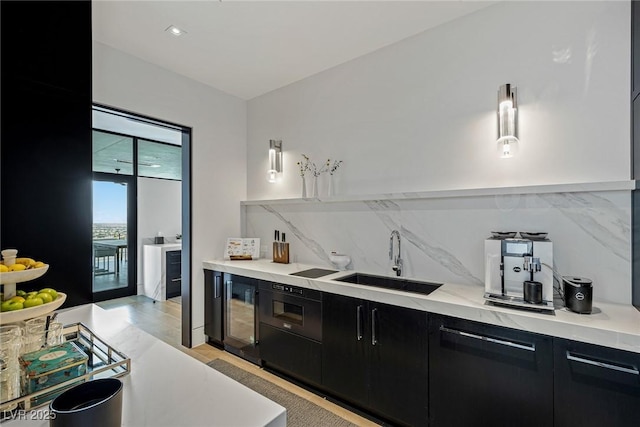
(281,252)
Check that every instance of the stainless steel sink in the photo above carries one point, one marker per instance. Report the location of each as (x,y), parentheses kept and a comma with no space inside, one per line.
(398,284)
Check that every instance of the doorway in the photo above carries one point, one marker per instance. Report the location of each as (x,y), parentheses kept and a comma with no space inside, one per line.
(151,159)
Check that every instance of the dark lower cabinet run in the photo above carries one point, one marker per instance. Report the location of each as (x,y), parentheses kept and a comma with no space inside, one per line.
(375,356)
(482,375)
(595,386)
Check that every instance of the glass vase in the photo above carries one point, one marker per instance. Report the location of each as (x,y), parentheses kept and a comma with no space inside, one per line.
(304,188)
(315,187)
(330,188)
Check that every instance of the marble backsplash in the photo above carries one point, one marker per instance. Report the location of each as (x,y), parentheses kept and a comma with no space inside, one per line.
(443,238)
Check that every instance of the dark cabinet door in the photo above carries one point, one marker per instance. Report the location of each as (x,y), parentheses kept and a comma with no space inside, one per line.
(173,273)
(398,364)
(487,375)
(213,315)
(595,386)
(344,344)
(290,353)
(375,357)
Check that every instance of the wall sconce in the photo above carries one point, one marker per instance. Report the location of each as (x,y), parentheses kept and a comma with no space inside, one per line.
(275,159)
(507,120)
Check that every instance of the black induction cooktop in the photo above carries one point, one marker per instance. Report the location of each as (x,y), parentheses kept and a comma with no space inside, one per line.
(314,273)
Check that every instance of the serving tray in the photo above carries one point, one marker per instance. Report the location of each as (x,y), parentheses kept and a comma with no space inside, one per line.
(104,362)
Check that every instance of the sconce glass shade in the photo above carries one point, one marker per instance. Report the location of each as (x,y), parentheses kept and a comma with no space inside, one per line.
(275,159)
(507,120)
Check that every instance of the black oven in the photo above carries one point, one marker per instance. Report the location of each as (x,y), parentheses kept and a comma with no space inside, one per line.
(292,309)
(291,331)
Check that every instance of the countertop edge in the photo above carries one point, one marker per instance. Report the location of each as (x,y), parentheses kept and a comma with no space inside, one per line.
(612,325)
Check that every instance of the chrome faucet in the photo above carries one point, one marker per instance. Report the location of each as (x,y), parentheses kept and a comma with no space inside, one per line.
(397,261)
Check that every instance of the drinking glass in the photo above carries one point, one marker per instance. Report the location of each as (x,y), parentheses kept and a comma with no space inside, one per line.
(37,337)
(10,341)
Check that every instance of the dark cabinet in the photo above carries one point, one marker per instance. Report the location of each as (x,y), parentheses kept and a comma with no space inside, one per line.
(213,306)
(45,50)
(375,356)
(173,273)
(291,354)
(595,386)
(488,375)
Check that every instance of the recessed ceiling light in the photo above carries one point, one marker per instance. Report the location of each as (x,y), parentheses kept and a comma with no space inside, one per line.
(175,31)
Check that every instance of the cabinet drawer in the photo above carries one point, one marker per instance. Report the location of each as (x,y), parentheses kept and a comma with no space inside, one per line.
(488,375)
(595,386)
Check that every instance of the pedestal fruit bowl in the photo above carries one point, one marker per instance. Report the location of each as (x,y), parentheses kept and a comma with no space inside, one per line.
(19,270)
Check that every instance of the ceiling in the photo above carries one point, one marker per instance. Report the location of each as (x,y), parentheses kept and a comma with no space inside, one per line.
(248,48)
(114,154)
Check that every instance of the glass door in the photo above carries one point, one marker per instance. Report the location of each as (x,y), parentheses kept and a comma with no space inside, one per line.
(240,308)
(113,260)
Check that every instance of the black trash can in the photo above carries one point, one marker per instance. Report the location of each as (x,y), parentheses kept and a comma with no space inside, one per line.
(82,405)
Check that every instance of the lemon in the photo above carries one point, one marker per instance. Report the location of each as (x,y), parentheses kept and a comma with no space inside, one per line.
(3,268)
(17,267)
(27,262)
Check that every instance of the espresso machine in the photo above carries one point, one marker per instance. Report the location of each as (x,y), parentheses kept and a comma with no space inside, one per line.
(519,271)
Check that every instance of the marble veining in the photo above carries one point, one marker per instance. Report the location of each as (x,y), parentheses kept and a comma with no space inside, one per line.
(444,258)
(609,225)
(308,242)
(444,233)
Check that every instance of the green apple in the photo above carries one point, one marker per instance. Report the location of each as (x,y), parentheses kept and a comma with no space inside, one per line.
(16,298)
(45,297)
(53,292)
(10,305)
(21,293)
(33,302)
(31,294)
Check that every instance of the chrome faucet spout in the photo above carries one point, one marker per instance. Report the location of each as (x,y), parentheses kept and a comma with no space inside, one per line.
(397,260)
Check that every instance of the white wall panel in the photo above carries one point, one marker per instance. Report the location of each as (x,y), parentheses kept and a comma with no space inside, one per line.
(218,121)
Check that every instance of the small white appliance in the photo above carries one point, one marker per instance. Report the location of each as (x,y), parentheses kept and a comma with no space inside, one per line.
(509,262)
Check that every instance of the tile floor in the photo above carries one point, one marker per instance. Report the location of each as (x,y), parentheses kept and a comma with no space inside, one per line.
(162,320)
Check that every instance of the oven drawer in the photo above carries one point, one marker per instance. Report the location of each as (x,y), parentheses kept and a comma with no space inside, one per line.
(291,354)
(292,313)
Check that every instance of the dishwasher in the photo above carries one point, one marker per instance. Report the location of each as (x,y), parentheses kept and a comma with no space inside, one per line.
(291,330)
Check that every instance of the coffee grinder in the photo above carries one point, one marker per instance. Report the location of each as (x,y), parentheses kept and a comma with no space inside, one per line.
(513,265)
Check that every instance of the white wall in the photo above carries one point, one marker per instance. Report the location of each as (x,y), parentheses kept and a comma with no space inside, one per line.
(159,210)
(420,114)
(218,121)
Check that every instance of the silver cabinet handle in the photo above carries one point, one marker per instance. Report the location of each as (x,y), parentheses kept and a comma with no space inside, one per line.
(530,347)
(374,338)
(359,322)
(633,371)
(176,280)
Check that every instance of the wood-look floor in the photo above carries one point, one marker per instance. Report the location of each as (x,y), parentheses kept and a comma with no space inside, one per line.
(162,320)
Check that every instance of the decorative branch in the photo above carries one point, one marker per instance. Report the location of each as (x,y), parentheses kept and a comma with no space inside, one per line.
(304,165)
(317,171)
(335,166)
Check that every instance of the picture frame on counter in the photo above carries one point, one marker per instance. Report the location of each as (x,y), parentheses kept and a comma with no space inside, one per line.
(239,248)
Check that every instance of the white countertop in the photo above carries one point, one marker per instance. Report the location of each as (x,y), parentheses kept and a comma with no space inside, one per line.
(166,246)
(167,387)
(610,325)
